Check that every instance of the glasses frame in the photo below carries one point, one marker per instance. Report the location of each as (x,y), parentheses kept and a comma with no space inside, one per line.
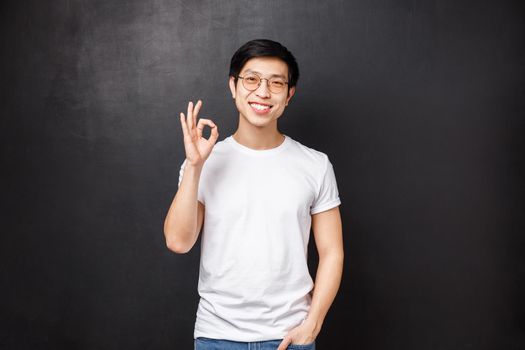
(260,82)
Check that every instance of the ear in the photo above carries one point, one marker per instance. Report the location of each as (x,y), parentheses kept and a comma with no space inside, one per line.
(233,89)
(291,92)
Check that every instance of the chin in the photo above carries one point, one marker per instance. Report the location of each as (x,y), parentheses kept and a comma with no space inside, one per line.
(258,122)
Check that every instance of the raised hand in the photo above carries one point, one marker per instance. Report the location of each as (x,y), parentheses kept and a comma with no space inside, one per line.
(197,147)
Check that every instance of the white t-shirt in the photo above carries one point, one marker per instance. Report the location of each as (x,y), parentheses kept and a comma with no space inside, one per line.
(254,283)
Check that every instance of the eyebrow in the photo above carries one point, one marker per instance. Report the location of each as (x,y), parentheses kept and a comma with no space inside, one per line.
(273,75)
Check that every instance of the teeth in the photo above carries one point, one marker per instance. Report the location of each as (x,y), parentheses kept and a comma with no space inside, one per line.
(259,107)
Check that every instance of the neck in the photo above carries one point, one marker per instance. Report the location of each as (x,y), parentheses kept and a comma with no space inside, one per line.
(258,137)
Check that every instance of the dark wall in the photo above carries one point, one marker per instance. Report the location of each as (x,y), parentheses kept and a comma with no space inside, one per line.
(419,105)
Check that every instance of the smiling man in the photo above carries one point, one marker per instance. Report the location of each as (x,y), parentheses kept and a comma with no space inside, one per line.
(256,195)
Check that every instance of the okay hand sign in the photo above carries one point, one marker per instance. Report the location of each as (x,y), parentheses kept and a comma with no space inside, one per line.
(197,147)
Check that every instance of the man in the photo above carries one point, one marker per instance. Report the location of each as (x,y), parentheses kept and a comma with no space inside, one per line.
(258,193)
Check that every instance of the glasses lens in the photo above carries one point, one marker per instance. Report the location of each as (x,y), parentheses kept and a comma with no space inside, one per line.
(251,81)
(277,85)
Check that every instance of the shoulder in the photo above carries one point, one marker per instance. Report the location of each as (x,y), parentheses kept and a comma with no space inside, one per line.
(310,155)
(221,147)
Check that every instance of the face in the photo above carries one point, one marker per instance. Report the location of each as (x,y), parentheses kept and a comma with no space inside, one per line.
(261,107)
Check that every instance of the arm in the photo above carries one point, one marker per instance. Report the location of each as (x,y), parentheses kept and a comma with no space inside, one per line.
(184,218)
(328,233)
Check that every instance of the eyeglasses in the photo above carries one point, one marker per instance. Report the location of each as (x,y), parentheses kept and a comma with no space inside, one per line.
(253,81)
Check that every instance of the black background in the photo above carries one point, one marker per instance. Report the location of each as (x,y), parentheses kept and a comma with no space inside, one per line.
(419,105)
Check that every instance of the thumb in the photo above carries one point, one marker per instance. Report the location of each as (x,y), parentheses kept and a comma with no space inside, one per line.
(284,344)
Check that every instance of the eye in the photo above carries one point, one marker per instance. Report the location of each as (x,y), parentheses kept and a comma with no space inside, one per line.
(251,79)
(277,83)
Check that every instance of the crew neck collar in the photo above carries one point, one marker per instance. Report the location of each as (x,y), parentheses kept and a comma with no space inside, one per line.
(258,152)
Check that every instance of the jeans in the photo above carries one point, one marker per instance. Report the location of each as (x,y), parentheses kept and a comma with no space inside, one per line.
(202,343)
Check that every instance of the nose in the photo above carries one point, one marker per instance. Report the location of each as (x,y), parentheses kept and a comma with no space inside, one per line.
(263,90)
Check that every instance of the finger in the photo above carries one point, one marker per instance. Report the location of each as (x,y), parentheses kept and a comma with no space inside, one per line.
(200,126)
(184,127)
(214,134)
(189,118)
(196,111)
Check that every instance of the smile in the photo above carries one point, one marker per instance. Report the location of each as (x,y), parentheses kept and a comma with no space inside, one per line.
(260,108)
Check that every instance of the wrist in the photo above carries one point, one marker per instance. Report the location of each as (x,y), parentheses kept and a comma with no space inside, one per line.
(193,167)
(313,324)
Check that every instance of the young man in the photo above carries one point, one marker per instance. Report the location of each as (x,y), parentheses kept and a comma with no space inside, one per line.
(258,193)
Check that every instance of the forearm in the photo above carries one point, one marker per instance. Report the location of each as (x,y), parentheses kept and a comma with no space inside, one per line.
(327,282)
(180,225)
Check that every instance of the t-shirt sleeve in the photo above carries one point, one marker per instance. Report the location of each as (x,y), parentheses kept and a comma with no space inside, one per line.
(328,195)
(200,195)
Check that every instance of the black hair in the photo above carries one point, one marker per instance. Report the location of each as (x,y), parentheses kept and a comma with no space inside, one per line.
(264,48)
